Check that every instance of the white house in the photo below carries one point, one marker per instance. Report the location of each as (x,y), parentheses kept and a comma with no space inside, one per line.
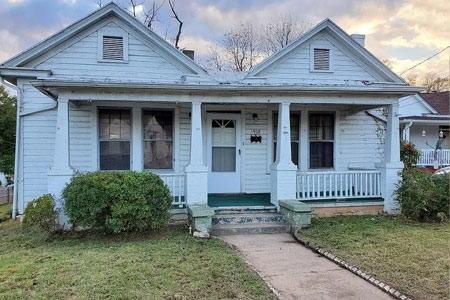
(424,121)
(106,93)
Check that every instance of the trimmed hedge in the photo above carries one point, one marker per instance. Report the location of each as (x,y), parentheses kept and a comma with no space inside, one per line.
(41,214)
(118,201)
(423,196)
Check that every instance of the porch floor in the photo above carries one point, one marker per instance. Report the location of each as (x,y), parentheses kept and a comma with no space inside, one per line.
(221,200)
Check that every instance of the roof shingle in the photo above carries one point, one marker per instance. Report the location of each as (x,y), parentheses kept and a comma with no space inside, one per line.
(439,101)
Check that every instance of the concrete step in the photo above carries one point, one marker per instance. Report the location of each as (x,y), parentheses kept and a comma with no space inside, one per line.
(248,218)
(249,228)
(244,209)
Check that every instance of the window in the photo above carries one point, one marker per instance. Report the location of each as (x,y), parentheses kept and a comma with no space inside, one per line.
(114,137)
(112,48)
(321,59)
(295,135)
(321,140)
(223,143)
(158,139)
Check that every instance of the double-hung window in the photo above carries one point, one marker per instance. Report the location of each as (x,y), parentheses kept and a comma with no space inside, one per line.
(321,140)
(114,138)
(158,139)
(295,135)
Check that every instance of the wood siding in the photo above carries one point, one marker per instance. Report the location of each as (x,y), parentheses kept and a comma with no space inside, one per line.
(295,67)
(79,61)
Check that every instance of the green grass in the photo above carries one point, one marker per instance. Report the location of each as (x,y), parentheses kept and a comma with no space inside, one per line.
(5,210)
(166,265)
(411,257)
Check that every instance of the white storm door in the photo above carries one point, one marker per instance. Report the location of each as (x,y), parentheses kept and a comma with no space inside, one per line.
(223,148)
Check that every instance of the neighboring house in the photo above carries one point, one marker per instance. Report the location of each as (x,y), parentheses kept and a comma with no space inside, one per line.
(424,121)
(106,93)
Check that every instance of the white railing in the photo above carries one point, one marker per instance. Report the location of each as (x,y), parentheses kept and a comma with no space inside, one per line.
(338,185)
(428,157)
(175,182)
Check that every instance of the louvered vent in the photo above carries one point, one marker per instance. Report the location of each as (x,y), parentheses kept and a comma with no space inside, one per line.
(321,59)
(113,48)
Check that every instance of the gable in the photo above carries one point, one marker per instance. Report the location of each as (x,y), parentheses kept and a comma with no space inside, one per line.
(300,66)
(83,59)
(414,106)
(84,29)
(346,46)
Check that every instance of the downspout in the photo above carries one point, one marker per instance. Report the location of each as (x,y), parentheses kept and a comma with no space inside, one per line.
(16,155)
(405,129)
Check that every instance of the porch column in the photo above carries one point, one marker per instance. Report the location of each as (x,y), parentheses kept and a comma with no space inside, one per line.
(61,172)
(392,166)
(196,185)
(283,171)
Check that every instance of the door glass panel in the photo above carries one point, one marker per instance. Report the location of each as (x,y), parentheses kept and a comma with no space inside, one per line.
(223,142)
(223,159)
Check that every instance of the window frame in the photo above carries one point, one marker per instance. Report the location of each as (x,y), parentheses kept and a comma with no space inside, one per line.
(272,135)
(174,115)
(99,140)
(109,32)
(334,141)
(321,45)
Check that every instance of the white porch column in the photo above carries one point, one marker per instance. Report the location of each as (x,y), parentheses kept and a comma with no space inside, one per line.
(137,148)
(61,172)
(196,184)
(392,165)
(283,171)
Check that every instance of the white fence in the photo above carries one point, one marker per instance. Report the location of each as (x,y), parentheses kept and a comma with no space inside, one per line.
(175,182)
(428,157)
(338,185)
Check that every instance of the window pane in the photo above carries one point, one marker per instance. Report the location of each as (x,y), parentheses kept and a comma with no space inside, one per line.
(114,155)
(158,155)
(223,159)
(321,154)
(321,127)
(158,125)
(114,124)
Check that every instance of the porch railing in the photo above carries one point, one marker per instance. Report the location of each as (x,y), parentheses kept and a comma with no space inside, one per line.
(338,185)
(428,157)
(175,182)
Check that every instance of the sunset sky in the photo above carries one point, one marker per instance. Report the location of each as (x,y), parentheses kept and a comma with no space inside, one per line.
(404,32)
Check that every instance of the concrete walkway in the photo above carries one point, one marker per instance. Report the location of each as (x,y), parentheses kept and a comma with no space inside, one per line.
(298,273)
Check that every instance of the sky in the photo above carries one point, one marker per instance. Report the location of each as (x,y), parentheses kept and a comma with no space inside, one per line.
(405,32)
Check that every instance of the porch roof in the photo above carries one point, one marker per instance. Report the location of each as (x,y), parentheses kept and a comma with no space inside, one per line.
(52,88)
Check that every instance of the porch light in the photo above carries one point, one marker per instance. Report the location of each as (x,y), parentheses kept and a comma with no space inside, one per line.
(424,133)
(255,117)
(441,134)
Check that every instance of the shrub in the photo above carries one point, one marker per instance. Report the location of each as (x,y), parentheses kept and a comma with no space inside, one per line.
(41,214)
(118,201)
(424,197)
(408,154)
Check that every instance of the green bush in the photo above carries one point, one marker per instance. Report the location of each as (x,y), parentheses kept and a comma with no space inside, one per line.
(424,197)
(41,214)
(118,201)
(408,154)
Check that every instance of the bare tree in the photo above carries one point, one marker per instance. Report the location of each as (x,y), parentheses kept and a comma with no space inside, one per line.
(241,47)
(215,60)
(134,4)
(180,24)
(98,2)
(280,32)
(151,14)
(434,83)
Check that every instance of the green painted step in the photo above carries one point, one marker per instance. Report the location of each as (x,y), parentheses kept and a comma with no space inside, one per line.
(250,228)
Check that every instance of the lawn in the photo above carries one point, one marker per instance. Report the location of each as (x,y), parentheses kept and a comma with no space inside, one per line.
(411,257)
(5,210)
(166,265)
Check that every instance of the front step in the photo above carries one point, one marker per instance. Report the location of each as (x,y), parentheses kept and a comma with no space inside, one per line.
(244,209)
(250,228)
(248,218)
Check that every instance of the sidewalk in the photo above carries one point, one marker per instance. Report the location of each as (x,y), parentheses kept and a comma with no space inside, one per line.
(298,273)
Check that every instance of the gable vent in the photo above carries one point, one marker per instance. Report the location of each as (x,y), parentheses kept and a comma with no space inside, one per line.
(112,47)
(321,59)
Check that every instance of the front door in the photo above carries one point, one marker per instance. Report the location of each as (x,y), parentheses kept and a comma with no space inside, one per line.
(223,142)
